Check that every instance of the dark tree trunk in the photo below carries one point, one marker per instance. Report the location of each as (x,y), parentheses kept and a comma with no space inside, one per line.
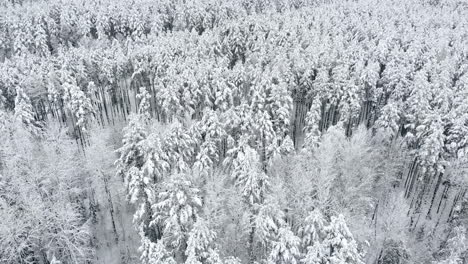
(111,205)
(434,194)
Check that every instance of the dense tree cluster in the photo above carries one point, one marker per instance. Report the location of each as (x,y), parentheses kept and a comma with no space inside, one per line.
(254,131)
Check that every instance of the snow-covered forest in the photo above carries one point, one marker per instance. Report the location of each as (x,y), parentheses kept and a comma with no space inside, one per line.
(233,131)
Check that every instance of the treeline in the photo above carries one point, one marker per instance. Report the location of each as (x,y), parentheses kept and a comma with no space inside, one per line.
(268,75)
(44,27)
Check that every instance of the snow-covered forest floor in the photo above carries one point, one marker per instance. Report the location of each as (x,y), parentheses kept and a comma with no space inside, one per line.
(233,131)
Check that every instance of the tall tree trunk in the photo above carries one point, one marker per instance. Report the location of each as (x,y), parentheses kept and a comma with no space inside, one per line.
(413,175)
(434,194)
(263,154)
(251,251)
(461,193)
(111,205)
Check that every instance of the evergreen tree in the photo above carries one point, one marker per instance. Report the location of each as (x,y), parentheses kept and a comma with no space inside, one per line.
(24,114)
(330,243)
(249,177)
(340,241)
(312,128)
(286,248)
(79,104)
(144,107)
(200,248)
(176,210)
(155,253)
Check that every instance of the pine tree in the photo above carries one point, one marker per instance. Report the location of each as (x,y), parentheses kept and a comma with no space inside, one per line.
(79,104)
(249,177)
(253,184)
(268,219)
(144,107)
(179,147)
(136,165)
(328,242)
(388,122)
(211,130)
(313,229)
(176,210)
(155,253)
(266,138)
(24,113)
(286,248)
(200,244)
(312,128)
(132,153)
(287,146)
(340,241)
(279,104)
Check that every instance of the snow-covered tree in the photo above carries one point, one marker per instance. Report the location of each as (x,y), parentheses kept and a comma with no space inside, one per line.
(286,248)
(144,106)
(176,209)
(312,128)
(79,104)
(343,248)
(388,122)
(24,113)
(153,253)
(132,153)
(200,244)
(280,106)
(328,242)
(313,229)
(249,177)
(456,246)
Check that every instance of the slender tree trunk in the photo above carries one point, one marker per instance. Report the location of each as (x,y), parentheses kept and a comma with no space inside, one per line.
(413,175)
(410,175)
(104,104)
(251,251)
(263,156)
(93,206)
(439,180)
(460,195)
(444,192)
(293,134)
(111,205)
